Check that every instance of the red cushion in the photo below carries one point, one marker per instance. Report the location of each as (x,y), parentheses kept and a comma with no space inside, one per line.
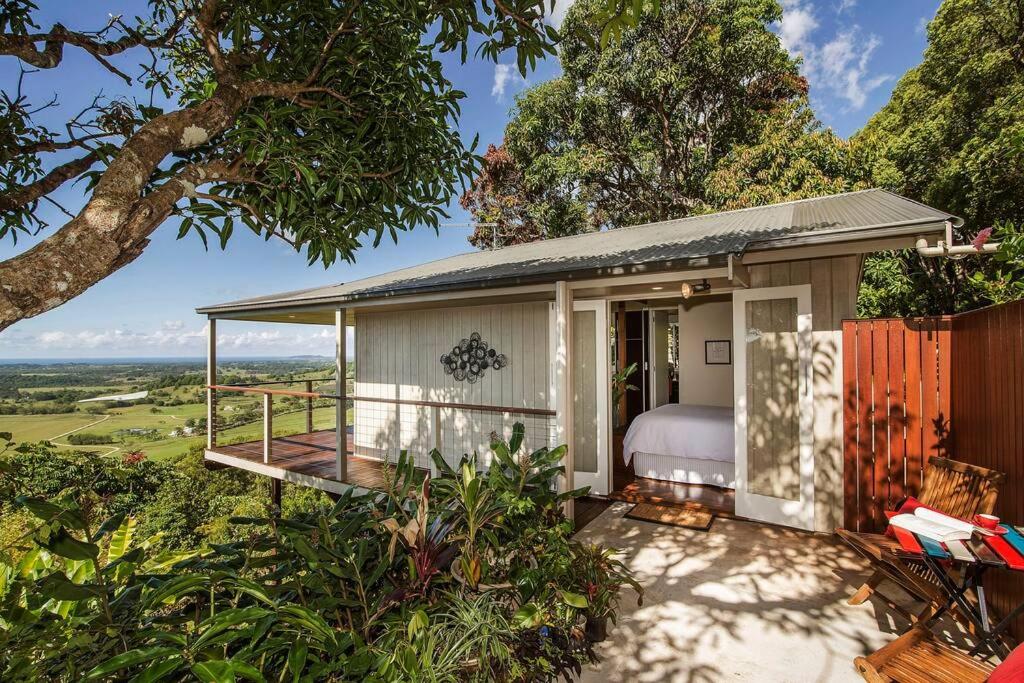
(1012,668)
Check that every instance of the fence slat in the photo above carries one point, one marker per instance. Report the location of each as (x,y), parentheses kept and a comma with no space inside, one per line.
(880,417)
(897,414)
(915,446)
(851,501)
(865,474)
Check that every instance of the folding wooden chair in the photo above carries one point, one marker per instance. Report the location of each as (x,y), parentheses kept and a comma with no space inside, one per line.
(953,487)
(917,657)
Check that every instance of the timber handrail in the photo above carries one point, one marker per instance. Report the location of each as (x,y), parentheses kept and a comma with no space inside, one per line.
(394,401)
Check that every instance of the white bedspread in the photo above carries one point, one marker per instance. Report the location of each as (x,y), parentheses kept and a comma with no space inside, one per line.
(685,431)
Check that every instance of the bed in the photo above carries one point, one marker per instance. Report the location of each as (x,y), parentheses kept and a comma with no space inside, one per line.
(688,444)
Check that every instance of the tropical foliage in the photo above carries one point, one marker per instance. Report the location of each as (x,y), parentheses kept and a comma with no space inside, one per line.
(952,136)
(470,576)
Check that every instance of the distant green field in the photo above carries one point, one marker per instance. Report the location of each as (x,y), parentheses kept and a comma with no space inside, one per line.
(34,428)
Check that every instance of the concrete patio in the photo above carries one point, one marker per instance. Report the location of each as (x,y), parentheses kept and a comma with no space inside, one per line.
(743,601)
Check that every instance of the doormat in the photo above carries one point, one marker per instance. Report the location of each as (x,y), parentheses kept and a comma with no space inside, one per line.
(690,516)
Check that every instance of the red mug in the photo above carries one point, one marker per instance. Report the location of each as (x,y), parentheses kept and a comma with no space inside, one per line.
(986,521)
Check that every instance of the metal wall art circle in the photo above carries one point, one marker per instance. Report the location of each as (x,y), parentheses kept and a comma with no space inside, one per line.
(468,359)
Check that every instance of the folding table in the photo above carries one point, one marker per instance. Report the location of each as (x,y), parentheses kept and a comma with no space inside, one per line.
(959,568)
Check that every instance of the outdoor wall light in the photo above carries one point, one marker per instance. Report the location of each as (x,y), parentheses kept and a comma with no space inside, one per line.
(689,290)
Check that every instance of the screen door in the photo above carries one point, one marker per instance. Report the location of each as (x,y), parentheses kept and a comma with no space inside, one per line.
(774,408)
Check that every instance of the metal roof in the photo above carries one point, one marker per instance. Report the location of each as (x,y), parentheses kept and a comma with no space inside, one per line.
(642,248)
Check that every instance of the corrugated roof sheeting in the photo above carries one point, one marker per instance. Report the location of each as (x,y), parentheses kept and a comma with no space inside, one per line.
(662,243)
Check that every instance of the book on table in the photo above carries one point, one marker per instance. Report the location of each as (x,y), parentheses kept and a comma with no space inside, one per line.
(934,525)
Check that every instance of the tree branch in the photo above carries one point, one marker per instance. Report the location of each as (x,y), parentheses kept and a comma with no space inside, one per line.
(48,183)
(24,46)
(325,51)
(206,22)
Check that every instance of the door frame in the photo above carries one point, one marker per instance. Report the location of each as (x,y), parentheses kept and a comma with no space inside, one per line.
(599,481)
(795,513)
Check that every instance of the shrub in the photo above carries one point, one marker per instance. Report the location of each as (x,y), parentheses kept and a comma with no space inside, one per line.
(89,439)
(365,589)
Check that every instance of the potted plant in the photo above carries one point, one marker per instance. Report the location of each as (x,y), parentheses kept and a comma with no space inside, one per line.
(601,577)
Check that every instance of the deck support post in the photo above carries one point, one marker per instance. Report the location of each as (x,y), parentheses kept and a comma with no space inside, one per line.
(563,385)
(268,427)
(309,407)
(275,495)
(211,380)
(341,386)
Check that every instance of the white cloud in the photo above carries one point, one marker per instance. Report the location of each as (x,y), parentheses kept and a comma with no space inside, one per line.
(798,21)
(172,338)
(840,65)
(844,64)
(922,26)
(506,76)
(558,12)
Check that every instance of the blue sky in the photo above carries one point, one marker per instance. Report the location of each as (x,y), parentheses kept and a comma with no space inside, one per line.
(854,51)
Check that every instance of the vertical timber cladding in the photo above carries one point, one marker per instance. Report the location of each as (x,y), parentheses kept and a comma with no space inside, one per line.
(833,298)
(398,357)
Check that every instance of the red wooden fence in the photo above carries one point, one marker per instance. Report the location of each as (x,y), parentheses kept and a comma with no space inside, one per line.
(988,418)
(897,380)
(935,386)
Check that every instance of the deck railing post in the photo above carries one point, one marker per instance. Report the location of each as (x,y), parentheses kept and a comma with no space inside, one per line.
(211,379)
(436,415)
(341,406)
(309,407)
(268,427)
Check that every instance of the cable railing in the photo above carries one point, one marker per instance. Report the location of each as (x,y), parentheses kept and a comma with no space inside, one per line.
(379,427)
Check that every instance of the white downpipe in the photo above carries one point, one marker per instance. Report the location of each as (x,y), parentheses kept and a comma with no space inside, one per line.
(948,249)
(943,249)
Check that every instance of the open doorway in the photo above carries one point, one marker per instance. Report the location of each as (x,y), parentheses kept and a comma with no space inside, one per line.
(673,435)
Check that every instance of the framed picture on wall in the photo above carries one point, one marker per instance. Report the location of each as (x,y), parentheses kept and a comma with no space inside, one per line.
(718,352)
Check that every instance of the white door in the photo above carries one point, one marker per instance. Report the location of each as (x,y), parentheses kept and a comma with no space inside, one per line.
(591,379)
(774,406)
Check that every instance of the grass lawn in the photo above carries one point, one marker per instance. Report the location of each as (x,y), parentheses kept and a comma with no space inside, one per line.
(32,428)
(290,423)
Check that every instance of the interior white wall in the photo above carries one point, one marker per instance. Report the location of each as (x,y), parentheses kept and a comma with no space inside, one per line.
(658,354)
(704,319)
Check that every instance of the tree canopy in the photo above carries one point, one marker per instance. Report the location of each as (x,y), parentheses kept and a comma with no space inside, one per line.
(646,128)
(952,136)
(317,122)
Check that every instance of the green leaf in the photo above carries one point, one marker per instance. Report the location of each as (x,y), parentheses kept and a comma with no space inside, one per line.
(419,622)
(574,599)
(224,620)
(223,671)
(297,658)
(174,589)
(121,540)
(528,616)
(158,671)
(64,544)
(127,659)
(59,587)
(109,525)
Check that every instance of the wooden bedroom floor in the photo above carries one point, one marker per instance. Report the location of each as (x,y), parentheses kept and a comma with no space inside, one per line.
(633,489)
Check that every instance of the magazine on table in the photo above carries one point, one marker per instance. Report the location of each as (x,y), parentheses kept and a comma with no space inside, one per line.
(934,525)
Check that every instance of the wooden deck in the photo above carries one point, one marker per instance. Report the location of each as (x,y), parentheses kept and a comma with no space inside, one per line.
(307,459)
